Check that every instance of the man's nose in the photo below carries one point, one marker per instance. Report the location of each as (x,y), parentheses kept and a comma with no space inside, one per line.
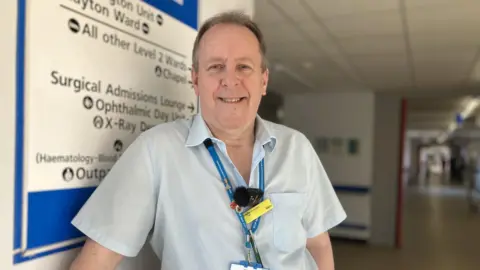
(230,77)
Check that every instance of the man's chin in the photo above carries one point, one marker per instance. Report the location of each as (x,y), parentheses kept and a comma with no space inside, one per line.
(234,122)
(233,125)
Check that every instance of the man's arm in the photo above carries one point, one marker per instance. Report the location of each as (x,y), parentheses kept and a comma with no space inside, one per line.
(94,256)
(320,248)
(118,217)
(323,211)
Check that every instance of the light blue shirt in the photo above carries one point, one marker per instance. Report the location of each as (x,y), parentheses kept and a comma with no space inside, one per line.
(165,189)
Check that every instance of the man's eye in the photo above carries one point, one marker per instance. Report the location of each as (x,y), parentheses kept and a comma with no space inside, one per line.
(215,67)
(244,67)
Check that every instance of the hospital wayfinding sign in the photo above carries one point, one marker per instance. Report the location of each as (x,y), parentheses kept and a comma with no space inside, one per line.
(91,76)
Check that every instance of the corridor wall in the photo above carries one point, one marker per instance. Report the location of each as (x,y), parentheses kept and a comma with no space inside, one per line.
(79,82)
(389,133)
(330,121)
(413,168)
(356,137)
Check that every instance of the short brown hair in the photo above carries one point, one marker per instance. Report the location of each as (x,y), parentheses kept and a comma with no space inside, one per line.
(230,17)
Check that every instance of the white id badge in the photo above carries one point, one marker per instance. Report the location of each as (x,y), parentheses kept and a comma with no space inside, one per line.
(243,267)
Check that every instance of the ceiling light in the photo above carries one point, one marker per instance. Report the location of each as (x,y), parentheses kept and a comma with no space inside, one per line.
(442,138)
(451,127)
(470,107)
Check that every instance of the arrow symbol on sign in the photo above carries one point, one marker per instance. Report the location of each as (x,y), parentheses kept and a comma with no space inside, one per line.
(191,107)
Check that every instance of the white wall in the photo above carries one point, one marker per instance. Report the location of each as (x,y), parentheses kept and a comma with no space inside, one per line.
(437,153)
(344,115)
(209,7)
(414,169)
(8,28)
(366,183)
(7,120)
(407,152)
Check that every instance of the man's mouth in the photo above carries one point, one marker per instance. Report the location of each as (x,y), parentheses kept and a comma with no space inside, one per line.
(232,100)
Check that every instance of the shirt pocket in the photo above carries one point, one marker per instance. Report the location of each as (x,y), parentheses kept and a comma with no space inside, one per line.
(288,231)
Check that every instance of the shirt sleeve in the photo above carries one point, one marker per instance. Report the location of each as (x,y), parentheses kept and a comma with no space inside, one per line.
(324,210)
(119,215)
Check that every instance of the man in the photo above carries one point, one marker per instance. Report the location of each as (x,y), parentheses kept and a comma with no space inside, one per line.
(173,184)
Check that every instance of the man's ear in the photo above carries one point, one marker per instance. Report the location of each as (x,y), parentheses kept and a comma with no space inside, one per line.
(194,75)
(265,81)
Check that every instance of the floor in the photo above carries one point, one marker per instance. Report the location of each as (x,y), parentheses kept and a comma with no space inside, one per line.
(440,232)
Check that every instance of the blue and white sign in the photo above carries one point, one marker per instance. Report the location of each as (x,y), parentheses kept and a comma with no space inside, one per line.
(186,11)
(91,76)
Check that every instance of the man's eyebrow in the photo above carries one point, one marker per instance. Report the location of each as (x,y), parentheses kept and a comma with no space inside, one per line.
(222,59)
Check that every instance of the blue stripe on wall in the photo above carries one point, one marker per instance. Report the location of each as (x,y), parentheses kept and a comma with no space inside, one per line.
(50,214)
(186,13)
(353,226)
(351,189)
(19,124)
(354,190)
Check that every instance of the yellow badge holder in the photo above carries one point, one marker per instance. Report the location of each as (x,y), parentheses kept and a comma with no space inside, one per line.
(258,211)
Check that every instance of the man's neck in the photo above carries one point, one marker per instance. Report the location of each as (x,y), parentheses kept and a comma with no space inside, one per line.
(235,138)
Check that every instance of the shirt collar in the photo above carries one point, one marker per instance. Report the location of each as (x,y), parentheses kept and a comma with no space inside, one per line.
(199,132)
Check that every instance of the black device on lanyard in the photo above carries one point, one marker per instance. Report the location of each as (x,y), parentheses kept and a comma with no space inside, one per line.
(247,196)
(250,196)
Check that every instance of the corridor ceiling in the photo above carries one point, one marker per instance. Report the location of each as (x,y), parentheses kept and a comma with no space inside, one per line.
(418,48)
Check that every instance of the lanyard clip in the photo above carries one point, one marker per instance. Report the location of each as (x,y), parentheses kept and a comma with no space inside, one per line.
(236,207)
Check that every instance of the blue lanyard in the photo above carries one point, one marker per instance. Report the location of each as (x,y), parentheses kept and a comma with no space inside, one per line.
(223,174)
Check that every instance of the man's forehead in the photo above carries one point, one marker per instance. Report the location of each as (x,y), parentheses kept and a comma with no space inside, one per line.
(239,43)
(228,32)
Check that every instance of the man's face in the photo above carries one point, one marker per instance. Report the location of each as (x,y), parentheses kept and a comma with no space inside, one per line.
(229,81)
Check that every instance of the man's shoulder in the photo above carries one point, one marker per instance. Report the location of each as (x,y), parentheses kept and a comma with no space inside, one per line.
(169,132)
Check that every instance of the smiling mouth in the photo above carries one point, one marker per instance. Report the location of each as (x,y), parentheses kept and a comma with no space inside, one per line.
(232,100)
